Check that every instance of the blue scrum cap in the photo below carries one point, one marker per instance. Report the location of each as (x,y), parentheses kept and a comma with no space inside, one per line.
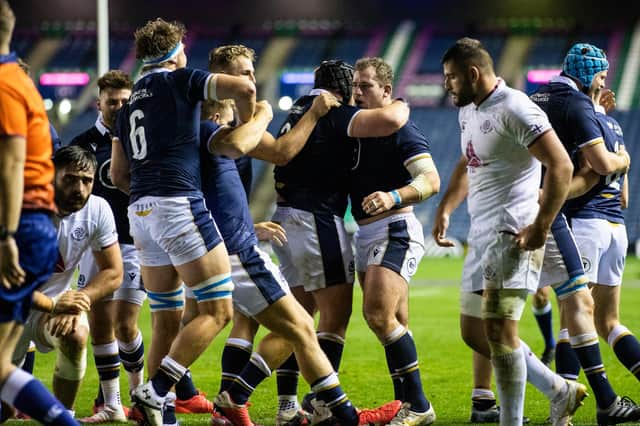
(584,61)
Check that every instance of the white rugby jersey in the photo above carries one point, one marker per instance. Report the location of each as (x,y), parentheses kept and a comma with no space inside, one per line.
(93,227)
(503,176)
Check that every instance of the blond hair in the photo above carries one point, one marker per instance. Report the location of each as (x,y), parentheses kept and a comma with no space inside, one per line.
(384,72)
(222,56)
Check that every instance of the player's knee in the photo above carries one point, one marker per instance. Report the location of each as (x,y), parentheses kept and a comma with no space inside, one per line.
(75,342)
(583,303)
(377,320)
(126,330)
(219,312)
(71,363)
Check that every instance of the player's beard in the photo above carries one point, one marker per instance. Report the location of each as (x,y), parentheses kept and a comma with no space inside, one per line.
(69,203)
(464,96)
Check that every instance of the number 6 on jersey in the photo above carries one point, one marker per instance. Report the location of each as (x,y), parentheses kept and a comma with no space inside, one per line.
(136,136)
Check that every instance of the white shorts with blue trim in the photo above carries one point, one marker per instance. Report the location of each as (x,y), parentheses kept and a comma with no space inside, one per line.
(318,251)
(172,230)
(131,289)
(603,247)
(395,242)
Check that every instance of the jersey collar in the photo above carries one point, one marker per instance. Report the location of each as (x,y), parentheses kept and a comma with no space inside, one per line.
(565,80)
(153,71)
(9,58)
(487,99)
(100,125)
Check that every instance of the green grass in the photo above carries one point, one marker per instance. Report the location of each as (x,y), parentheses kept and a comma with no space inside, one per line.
(444,359)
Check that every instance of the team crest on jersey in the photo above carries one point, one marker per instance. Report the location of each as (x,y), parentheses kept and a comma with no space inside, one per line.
(105,176)
(82,280)
(586,264)
(79,234)
(489,273)
(486,127)
(463,125)
(474,160)
(412,265)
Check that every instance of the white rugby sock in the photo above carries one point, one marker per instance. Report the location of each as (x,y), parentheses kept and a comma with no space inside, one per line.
(541,376)
(511,373)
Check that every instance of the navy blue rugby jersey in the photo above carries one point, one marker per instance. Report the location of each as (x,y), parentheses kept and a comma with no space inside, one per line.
(380,164)
(570,112)
(222,189)
(316,179)
(245,169)
(98,140)
(160,132)
(603,200)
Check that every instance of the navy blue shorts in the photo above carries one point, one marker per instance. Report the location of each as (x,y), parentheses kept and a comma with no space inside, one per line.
(37,242)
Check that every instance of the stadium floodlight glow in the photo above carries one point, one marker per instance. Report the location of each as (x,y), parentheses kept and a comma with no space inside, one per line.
(64,107)
(542,75)
(285,103)
(64,79)
(297,77)
(48,104)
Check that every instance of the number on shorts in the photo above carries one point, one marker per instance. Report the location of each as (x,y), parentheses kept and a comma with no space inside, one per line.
(136,135)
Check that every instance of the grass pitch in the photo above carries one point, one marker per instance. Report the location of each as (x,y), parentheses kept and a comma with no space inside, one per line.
(445,361)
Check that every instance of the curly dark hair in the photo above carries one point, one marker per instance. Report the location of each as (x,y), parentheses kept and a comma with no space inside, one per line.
(222,56)
(158,37)
(115,79)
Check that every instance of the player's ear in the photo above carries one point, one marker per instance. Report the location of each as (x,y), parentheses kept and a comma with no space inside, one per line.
(474,74)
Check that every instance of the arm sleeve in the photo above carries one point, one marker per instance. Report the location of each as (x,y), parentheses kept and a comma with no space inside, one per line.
(526,121)
(13,115)
(341,118)
(412,143)
(193,83)
(583,122)
(105,233)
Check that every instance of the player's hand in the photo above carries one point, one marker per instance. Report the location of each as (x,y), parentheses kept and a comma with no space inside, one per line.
(439,231)
(264,107)
(623,152)
(378,202)
(323,103)
(271,231)
(531,237)
(63,324)
(72,302)
(608,100)
(11,274)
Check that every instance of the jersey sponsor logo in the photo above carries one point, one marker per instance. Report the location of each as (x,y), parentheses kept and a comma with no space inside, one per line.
(463,125)
(104,175)
(474,160)
(82,280)
(486,127)
(586,264)
(139,94)
(79,234)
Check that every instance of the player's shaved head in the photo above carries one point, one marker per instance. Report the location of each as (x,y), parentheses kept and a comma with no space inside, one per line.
(157,38)
(468,52)
(7,22)
(221,57)
(384,72)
